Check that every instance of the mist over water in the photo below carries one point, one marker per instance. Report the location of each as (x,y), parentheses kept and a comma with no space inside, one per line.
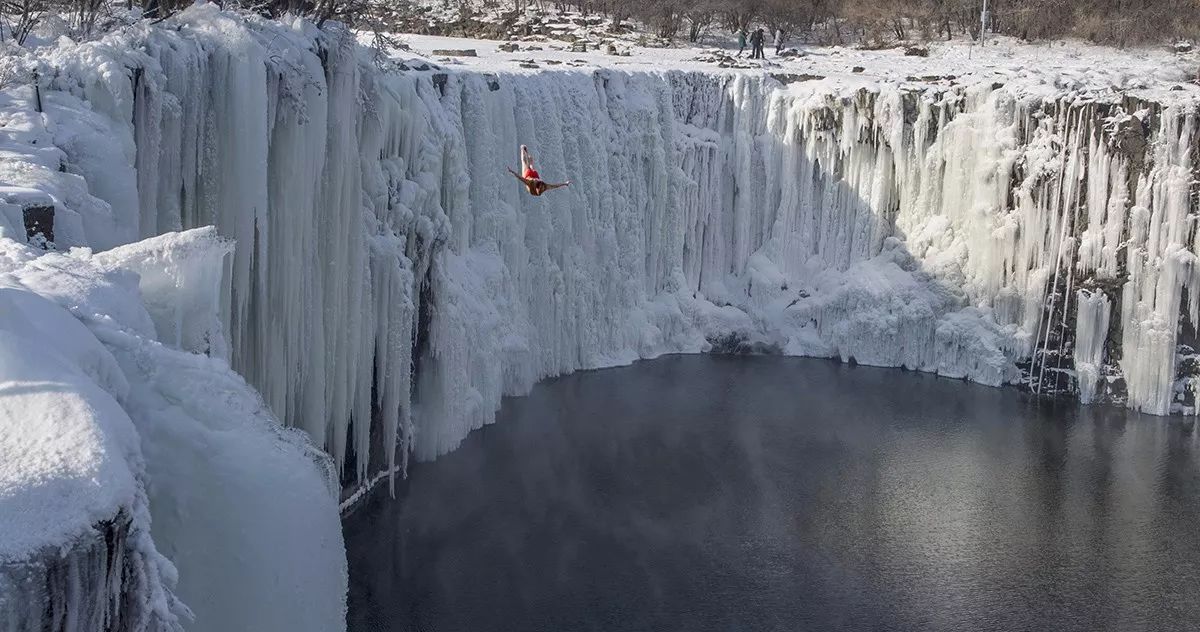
(767,493)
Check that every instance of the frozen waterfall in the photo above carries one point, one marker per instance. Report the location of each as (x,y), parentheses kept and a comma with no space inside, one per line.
(390,282)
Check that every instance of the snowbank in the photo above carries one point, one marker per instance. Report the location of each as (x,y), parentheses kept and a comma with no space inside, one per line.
(71,498)
(102,425)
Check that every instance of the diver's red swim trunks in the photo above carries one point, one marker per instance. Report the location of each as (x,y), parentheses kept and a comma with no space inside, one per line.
(531,174)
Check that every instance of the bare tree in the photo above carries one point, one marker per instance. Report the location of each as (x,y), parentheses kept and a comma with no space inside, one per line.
(868,22)
(19,17)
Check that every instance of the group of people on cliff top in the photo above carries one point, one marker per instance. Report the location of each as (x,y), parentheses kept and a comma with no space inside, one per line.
(756,42)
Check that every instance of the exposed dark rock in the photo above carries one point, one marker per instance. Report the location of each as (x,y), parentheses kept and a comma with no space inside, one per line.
(931,78)
(509,47)
(824,119)
(788,78)
(916,51)
(39,224)
(37,211)
(910,100)
(736,344)
(439,80)
(718,57)
(1129,136)
(857,69)
(455,52)
(95,583)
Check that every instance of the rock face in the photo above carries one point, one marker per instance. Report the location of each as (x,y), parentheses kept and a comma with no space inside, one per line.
(724,60)
(36,213)
(39,224)
(94,584)
(931,78)
(455,52)
(787,78)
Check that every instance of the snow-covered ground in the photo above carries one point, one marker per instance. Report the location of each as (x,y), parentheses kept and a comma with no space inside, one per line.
(374,277)
(1050,69)
(543,33)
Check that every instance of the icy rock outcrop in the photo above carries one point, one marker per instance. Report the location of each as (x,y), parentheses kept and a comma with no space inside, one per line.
(98,583)
(76,552)
(243,506)
(121,452)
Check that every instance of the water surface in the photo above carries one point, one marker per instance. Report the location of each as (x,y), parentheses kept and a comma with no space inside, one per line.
(711,493)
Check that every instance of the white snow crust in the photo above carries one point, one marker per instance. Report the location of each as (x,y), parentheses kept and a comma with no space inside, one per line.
(1049,69)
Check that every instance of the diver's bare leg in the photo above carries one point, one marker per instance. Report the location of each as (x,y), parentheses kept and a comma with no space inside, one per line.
(526,159)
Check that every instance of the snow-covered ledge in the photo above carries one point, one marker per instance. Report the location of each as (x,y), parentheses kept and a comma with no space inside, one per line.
(75,548)
(390,283)
(145,485)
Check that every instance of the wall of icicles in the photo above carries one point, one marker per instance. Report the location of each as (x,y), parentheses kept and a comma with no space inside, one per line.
(391,282)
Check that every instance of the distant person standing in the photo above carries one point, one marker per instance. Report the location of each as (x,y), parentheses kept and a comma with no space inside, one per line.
(778,41)
(741,41)
(756,44)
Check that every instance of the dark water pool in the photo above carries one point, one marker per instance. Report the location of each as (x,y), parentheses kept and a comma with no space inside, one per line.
(706,493)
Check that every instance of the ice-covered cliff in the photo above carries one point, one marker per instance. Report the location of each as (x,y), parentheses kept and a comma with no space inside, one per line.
(948,229)
(945,229)
(390,282)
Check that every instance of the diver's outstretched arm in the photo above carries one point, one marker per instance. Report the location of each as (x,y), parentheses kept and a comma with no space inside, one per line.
(516,175)
(558,186)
